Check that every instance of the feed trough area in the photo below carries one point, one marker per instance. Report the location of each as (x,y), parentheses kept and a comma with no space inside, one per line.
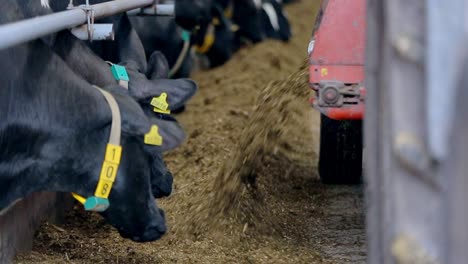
(246,186)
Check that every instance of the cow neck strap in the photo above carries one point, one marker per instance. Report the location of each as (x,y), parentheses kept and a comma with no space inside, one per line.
(185,35)
(100,202)
(116,125)
(208,41)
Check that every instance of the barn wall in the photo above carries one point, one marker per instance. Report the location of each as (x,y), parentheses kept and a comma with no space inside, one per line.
(19,223)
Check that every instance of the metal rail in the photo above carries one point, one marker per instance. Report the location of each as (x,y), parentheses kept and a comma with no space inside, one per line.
(159,10)
(26,30)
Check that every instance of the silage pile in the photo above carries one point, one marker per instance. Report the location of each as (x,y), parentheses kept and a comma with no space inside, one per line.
(279,126)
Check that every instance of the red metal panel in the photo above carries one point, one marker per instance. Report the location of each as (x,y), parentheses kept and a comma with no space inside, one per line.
(351,112)
(346,112)
(338,53)
(348,74)
(341,34)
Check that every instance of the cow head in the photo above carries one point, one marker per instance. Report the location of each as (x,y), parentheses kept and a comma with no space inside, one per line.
(214,41)
(190,13)
(141,177)
(178,91)
(142,171)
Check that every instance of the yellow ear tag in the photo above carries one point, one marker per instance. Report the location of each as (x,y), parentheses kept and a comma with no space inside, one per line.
(153,137)
(110,166)
(160,104)
(79,198)
(234,28)
(216,21)
(207,44)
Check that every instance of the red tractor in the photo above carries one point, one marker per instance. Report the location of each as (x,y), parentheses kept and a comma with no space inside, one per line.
(336,54)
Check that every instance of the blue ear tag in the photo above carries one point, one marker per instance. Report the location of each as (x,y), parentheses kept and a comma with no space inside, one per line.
(96,204)
(120,73)
(185,36)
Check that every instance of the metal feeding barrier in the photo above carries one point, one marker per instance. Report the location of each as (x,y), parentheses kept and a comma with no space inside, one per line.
(29,29)
(159,10)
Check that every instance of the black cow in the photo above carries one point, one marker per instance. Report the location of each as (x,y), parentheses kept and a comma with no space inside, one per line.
(245,14)
(215,41)
(164,35)
(94,70)
(54,134)
(191,13)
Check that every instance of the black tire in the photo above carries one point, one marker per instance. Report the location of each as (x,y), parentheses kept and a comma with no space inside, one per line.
(340,160)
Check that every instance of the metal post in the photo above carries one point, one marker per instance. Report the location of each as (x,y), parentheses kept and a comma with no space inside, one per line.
(403,195)
(415,132)
(446,22)
(30,29)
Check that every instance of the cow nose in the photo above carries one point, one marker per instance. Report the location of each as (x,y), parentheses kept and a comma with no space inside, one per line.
(163,215)
(157,229)
(152,233)
(258,37)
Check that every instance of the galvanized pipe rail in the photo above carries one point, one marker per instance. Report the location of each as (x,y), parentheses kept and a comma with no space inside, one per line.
(159,9)
(29,29)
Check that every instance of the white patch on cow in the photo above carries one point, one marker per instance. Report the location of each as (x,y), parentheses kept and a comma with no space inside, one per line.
(279,1)
(258,4)
(45,3)
(272,16)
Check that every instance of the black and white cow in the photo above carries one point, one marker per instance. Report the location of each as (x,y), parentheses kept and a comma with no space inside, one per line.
(246,14)
(275,22)
(54,131)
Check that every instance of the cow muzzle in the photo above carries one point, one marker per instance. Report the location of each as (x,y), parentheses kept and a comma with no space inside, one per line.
(152,232)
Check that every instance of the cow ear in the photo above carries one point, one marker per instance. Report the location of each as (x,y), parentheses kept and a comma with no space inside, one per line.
(161,177)
(134,121)
(158,67)
(171,131)
(178,91)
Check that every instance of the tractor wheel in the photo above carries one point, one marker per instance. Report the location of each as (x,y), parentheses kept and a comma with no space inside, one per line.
(340,160)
